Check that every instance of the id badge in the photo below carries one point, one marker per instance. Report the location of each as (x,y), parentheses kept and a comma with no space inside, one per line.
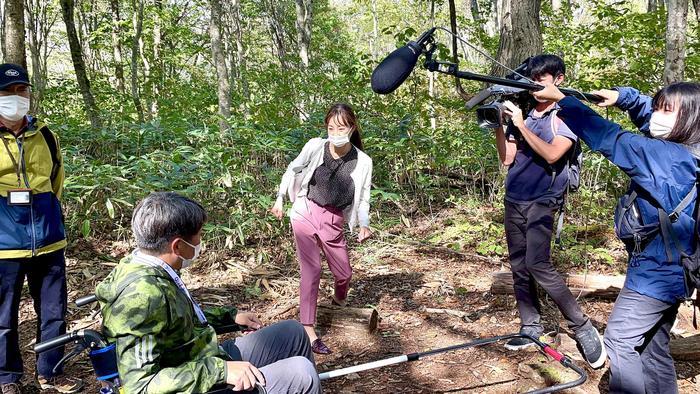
(19,197)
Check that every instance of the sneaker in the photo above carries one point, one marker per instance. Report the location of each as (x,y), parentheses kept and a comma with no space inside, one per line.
(10,388)
(319,347)
(590,344)
(62,384)
(522,343)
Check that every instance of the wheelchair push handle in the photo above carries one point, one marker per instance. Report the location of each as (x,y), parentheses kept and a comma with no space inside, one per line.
(88,299)
(53,343)
(87,338)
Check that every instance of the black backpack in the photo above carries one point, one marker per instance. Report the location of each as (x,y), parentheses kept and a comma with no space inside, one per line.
(53,148)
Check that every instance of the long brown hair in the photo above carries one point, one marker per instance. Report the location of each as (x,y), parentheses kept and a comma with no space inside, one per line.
(685,98)
(346,116)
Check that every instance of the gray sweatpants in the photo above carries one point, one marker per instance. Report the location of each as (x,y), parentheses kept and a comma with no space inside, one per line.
(282,353)
(637,339)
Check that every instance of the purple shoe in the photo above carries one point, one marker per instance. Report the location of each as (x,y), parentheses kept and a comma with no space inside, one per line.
(319,347)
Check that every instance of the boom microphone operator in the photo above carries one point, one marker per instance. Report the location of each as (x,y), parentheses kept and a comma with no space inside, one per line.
(396,67)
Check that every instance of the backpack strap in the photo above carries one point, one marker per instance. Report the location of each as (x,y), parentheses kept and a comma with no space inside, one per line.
(53,148)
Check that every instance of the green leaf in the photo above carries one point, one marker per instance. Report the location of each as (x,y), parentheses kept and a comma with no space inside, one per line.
(110,208)
(86,228)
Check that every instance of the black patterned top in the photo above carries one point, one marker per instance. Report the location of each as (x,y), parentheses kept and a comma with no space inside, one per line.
(331,184)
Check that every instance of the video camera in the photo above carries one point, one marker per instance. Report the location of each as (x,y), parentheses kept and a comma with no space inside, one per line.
(490,115)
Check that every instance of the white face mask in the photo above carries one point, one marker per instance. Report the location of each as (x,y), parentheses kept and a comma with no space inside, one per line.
(13,107)
(661,124)
(188,262)
(339,140)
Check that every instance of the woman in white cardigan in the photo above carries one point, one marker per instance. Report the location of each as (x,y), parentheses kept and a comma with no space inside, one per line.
(329,185)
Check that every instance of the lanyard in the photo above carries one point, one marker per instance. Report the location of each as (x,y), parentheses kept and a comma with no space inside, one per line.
(156,262)
(20,145)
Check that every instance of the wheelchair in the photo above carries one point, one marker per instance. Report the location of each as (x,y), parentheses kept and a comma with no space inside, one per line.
(103,355)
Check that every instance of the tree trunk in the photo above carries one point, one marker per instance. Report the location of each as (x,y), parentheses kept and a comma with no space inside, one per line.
(696,8)
(217,51)
(240,57)
(375,31)
(602,286)
(520,34)
(455,52)
(117,46)
(76,53)
(40,21)
(303,24)
(14,50)
(676,27)
(277,32)
(138,28)
(157,61)
(651,5)
(431,79)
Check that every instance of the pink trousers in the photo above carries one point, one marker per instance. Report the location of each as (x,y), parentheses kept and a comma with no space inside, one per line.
(320,228)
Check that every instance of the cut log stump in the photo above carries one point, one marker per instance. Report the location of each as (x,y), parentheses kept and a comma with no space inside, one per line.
(359,319)
(686,349)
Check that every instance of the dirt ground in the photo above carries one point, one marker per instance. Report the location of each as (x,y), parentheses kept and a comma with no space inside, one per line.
(405,279)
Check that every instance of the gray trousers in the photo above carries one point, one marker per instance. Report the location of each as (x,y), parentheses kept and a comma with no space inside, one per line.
(282,353)
(636,340)
(529,236)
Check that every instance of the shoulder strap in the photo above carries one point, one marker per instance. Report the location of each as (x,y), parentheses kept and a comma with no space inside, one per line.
(53,148)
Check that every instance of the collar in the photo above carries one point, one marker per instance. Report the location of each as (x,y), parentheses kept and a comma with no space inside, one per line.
(29,128)
(555,107)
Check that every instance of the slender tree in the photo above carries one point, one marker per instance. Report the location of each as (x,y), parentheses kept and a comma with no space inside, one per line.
(41,17)
(303,24)
(76,53)
(138,30)
(13,24)
(677,24)
(117,46)
(217,51)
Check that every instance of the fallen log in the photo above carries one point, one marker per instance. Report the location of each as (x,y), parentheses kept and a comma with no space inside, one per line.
(686,349)
(359,319)
(602,286)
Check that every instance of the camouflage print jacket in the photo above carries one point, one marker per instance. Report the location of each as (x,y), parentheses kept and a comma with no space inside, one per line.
(161,345)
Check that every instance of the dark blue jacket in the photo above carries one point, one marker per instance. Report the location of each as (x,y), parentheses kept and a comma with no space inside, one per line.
(662,172)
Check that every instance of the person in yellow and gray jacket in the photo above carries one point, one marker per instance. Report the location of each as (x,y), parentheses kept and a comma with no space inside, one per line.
(32,233)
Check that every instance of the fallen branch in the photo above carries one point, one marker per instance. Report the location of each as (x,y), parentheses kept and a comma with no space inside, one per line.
(603,286)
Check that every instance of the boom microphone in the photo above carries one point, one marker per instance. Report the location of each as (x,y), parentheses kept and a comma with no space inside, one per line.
(396,67)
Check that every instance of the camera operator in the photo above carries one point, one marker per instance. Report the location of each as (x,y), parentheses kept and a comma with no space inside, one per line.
(535,149)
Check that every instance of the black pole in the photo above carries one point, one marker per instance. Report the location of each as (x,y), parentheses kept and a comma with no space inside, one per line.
(451,69)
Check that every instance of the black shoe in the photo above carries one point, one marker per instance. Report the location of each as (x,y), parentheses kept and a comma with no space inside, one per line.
(590,344)
(522,343)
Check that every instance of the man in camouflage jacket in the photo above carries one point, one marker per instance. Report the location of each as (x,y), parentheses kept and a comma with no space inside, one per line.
(164,342)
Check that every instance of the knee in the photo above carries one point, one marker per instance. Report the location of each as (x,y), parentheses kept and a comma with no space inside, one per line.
(306,375)
(292,329)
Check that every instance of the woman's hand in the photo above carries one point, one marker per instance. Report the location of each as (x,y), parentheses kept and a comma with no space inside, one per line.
(550,93)
(515,113)
(278,209)
(248,319)
(609,97)
(242,375)
(365,233)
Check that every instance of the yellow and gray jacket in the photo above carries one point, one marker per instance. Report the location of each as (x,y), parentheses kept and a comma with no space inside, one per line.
(38,228)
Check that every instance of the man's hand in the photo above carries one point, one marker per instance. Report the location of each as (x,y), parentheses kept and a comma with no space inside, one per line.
(365,233)
(242,375)
(278,209)
(550,93)
(248,319)
(609,97)
(515,113)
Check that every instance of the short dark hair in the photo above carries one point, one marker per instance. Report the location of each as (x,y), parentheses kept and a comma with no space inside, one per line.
(685,98)
(540,65)
(163,216)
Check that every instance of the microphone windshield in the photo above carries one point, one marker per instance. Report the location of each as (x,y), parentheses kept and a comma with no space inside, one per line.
(393,70)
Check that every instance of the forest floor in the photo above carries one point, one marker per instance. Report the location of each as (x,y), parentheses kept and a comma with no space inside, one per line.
(408,266)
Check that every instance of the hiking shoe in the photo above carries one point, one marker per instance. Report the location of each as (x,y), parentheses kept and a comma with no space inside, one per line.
(590,344)
(522,343)
(62,384)
(10,388)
